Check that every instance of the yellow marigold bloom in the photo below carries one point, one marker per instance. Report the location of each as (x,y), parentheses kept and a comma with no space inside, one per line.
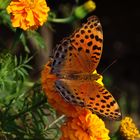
(100,80)
(86,126)
(28,14)
(128,129)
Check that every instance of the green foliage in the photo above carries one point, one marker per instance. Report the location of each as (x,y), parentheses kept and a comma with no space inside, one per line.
(24,111)
(27,116)
(37,38)
(3,4)
(5,19)
(12,71)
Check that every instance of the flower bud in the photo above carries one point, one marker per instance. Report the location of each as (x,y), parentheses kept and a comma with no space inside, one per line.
(81,11)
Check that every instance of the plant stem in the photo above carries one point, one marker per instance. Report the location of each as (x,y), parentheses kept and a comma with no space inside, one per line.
(17,37)
(62,20)
(55,121)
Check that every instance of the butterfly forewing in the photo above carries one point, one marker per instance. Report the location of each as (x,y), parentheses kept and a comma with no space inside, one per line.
(66,60)
(88,41)
(81,52)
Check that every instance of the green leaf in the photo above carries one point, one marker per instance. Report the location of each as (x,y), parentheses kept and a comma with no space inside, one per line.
(27,59)
(16,62)
(24,71)
(27,66)
(4,4)
(24,42)
(39,41)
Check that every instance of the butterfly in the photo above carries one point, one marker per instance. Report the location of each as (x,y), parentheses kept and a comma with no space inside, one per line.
(74,61)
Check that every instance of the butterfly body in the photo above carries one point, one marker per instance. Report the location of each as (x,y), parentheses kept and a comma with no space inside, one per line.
(73,64)
(81,76)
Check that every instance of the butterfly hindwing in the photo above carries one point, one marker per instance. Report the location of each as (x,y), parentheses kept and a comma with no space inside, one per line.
(91,95)
(105,104)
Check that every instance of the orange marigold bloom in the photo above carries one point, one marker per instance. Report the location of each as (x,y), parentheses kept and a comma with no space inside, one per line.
(128,129)
(86,126)
(28,14)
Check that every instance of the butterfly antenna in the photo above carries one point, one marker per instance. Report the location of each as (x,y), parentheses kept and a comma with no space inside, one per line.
(109,66)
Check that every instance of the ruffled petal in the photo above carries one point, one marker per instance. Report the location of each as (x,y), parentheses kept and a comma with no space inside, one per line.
(28,14)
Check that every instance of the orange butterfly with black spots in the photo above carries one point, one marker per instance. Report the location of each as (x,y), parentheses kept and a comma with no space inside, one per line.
(74,61)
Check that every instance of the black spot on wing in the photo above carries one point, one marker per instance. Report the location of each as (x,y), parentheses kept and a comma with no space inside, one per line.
(92,36)
(67,95)
(95,47)
(89,43)
(59,56)
(79,49)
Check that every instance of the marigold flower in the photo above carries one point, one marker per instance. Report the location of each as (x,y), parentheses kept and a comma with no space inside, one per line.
(128,129)
(54,97)
(86,126)
(28,14)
